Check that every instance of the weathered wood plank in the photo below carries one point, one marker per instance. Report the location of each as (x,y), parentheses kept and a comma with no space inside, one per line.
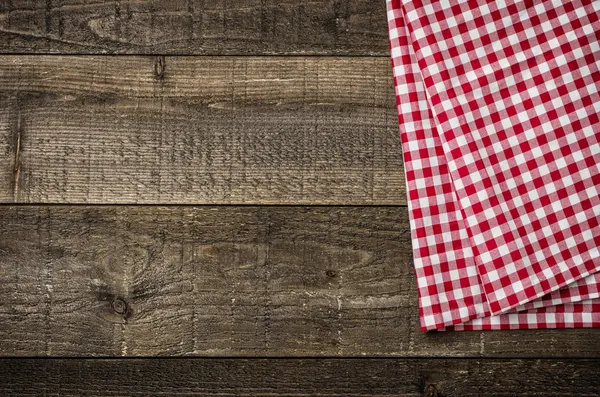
(299,377)
(199,130)
(208,27)
(227,281)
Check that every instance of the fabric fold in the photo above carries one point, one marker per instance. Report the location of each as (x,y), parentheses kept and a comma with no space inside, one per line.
(498,108)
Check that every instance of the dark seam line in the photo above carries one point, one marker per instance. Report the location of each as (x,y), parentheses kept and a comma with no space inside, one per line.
(201,205)
(241,55)
(293,358)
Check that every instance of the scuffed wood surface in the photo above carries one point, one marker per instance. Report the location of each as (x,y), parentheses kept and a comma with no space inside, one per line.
(206,27)
(299,377)
(231,281)
(228,281)
(199,130)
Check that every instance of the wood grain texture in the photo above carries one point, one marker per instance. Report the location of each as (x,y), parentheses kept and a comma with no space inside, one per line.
(207,27)
(199,130)
(299,377)
(227,281)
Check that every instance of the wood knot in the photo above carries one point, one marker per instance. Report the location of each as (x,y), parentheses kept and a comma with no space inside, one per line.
(431,391)
(159,67)
(119,306)
(331,273)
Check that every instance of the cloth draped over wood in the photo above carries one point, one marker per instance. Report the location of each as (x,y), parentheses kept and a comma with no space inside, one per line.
(499,114)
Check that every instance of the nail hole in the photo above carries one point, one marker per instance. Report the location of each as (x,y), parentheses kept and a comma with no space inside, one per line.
(331,273)
(119,306)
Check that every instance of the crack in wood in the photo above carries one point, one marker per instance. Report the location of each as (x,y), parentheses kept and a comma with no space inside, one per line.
(159,67)
(16,182)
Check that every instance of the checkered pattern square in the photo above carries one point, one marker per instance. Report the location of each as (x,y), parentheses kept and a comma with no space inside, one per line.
(498,109)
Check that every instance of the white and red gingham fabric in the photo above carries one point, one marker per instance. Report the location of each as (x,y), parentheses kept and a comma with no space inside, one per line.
(499,108)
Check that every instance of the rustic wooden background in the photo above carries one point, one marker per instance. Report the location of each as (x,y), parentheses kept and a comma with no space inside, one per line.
(222,181)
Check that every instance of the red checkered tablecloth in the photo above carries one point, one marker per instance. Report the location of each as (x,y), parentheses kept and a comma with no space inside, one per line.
(499,108)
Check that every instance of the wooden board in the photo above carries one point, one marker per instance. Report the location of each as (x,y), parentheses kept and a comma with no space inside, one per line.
(230,127)
(299,377)
(198,130)
(208,27)
(228,281)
